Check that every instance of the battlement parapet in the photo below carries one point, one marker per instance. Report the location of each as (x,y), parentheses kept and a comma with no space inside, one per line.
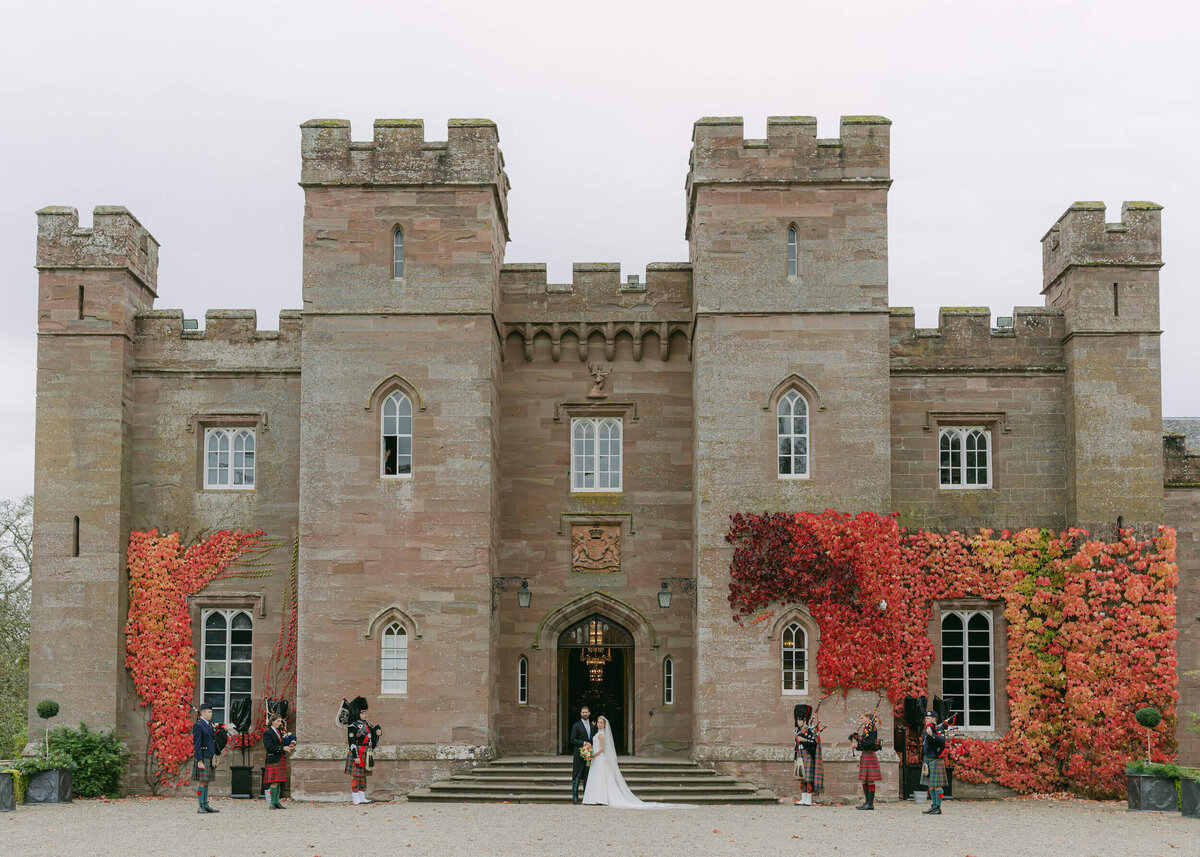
(964,340)
(791,151)
(596,292)
(229,341)
(1081,237)
(115,240)
(399,154)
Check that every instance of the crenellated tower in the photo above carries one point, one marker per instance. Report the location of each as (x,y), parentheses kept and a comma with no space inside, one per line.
(1104,277)
(788,240)
(91,285)
(403,243)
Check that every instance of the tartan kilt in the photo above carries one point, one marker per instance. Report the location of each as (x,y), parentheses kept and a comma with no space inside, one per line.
(811,770)
(207,775)
(868,768)
(276,772)
(936,778)
(354,768)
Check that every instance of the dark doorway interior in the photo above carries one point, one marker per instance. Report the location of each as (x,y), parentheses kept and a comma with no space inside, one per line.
(598,675)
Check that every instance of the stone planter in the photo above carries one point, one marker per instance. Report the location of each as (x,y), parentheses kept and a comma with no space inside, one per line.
(1190,797)
(52,786)
(7,799)
(1150,793)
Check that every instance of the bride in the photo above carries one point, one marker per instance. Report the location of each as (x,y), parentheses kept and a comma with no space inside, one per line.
(605,785)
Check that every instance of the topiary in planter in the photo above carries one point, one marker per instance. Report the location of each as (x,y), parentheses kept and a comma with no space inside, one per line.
(47,709)
(1149,717)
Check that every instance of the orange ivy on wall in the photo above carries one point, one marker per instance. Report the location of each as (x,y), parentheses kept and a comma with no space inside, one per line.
(158,630)
(1090,626)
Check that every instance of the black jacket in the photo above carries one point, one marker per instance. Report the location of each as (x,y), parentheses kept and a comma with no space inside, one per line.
(204,740)
(273,744)
(932,746)
(869,741)
(579,735)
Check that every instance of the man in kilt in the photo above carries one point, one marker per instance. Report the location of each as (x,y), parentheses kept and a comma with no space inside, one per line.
(809,769)
(276,772)
(867,743)
(933,765)
(361,736)
(204,748)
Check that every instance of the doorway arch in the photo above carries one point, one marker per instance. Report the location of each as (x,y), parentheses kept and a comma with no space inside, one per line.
(595,668)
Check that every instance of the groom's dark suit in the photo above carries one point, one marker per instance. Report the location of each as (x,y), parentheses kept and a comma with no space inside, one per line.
(580,735)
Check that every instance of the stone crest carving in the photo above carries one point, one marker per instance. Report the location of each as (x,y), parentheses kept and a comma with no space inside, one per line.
(599,373)
(596,547)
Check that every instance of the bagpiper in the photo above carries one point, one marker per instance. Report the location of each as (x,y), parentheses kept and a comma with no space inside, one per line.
(866,741)
(362,738)
(808,767)
(933,764)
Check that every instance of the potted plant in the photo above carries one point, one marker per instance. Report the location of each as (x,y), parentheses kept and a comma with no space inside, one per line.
(47,778)
(1189,783)
(1150,787)
(8,787)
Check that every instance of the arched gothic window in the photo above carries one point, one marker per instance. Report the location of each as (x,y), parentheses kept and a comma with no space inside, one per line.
(793,436)
(964,457)
(398,253)
(523,680)
(967,667)
(396,436)
(596,454)
(393,663)
(793,268)
(668,681)
(227,659)
(795,658)
(229,458)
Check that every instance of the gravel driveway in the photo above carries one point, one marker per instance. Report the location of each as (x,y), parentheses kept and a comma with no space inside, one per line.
(170,827)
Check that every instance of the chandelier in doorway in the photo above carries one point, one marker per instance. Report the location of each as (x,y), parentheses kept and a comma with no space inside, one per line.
(595,655)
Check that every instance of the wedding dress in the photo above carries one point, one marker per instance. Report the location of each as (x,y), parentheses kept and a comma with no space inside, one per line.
(606,786)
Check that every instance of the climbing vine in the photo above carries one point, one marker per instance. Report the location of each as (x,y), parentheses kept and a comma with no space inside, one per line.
(158,629)
(1090,627)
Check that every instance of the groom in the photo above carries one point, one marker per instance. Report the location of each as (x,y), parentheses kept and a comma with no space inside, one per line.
(581,733)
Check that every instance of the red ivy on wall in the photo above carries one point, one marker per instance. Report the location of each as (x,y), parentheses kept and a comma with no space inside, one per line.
(158,630)
(1090,625)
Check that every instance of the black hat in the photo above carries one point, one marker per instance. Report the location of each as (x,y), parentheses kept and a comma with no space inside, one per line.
(802,712)
(204,706)
(357,706)
(932,714)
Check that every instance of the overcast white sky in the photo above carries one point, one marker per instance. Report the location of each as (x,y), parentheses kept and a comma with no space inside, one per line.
(1004,113)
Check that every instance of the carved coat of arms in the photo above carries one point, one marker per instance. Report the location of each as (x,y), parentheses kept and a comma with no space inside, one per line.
(596,547)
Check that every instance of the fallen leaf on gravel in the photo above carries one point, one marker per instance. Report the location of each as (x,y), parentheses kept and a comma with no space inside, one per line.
(716,831)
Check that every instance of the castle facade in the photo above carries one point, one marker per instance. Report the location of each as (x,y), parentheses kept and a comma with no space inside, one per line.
(510,496)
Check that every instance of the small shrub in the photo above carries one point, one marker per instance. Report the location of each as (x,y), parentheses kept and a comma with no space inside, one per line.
(18,784)
(47,709)
(49,762)
(99,757)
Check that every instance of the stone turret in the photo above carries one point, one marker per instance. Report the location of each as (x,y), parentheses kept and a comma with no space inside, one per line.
(91,285)
(743,197)
(1104,277)
(446,200)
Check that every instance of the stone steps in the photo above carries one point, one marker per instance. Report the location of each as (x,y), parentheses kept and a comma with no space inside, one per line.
(547,779)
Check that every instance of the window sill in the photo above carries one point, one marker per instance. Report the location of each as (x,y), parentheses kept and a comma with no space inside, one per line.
(248,489)
(606,491)
(796,693)
(965,488)
(393,694)
(398,476)
(794,478)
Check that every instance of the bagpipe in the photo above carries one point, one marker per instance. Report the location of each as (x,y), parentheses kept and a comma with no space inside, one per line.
(855,738)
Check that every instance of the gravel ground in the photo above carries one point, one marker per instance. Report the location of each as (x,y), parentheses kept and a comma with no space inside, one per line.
(170,827)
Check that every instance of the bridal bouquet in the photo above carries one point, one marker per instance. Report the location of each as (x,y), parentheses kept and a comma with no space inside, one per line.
(586,752)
